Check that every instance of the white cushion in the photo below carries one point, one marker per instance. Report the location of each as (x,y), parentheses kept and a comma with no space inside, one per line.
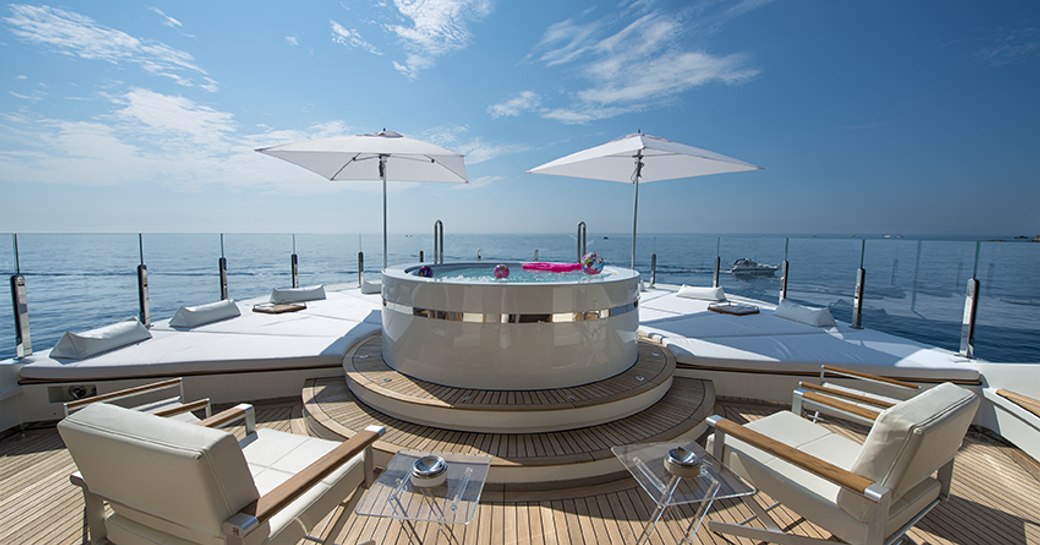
(175,477)
(911,440)
(701,292)
(103,339)
(205,314)
(817,317)
(369,287)
(298,295)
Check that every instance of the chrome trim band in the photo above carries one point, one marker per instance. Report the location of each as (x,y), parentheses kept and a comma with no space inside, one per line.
(482,318)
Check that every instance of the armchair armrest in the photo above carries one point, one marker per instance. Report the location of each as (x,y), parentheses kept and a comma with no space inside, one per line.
(242,411)
(124,393)
(842,408)
(808,462)
(193,406)
(841,371)
(833,392)
(282,495)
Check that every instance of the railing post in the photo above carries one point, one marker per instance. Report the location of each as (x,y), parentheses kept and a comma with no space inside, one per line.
(653,270)
(857,296)
(222,267)
(360,269)
(22,338)
(718,263)
(786,271)
(971,305)
(294,265)
(142,284)
(421,256)
(438,242)
(583,231)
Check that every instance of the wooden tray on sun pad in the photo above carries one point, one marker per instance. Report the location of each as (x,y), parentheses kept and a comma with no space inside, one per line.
(278,308)
(735,309)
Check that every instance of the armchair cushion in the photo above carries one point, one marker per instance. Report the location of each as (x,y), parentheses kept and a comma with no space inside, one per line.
(911,440)
(179,478)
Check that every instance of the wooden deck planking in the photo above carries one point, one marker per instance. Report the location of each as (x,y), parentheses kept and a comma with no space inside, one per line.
(995,500)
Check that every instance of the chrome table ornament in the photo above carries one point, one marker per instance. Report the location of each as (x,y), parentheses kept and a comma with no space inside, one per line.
(429,471)
(681,462)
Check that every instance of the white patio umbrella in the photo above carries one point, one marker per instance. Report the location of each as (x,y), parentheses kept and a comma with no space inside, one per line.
(384,156)
(641,158)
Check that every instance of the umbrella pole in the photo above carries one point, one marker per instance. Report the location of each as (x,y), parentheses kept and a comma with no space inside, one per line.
(635,206)
(382,174)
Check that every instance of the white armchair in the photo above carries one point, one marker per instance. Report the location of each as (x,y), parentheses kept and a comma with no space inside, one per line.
(861,403)
(169,481)
(868,494)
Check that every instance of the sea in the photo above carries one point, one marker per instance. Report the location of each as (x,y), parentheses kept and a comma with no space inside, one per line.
(914,288)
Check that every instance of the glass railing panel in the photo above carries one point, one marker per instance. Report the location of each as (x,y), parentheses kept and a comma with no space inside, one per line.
(76,282)
(257,263)
(685,259)
(7,266)
(823,273)
(765,250)
(915,288)
(1008,316)
(182,271)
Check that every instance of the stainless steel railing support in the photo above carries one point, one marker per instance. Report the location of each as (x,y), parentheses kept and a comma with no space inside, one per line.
(360,269)
(22,338)
(438,242)
(421,256)
(718,263)
(971,307)
(294,265)
(222,268)
(142,285)
(653,270)
(784,275)
(583,232)
(857,296)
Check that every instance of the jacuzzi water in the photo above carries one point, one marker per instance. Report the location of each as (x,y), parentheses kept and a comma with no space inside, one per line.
(517,275)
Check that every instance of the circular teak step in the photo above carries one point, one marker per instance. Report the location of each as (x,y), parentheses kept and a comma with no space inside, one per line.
(379,386)
(537,459)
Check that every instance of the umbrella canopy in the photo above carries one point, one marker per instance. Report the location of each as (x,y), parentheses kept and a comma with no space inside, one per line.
(383,156)
(642,158)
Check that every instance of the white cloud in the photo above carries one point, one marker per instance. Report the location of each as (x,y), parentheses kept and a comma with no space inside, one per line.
(291,40)
(475,148)
(21,77)
(478,182)
(524,101)
(35,97)
(77,35)
(1008,46)
(351,38)
(151,138)
(167,20)
(638,58)
(434,28)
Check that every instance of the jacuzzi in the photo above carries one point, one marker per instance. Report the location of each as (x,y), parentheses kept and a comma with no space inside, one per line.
(533,330)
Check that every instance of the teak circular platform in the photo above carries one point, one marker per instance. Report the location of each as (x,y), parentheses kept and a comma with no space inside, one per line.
(535,459)
(381,387)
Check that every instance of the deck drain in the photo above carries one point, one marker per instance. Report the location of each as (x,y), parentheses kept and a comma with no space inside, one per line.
(640,378)
(655,354)
(388,379)
(362,356)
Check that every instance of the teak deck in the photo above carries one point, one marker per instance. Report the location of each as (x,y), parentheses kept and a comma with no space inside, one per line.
(996,499)
(365,366)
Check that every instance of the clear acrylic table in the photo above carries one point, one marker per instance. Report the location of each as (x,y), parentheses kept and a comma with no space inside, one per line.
(646,463)
(455,502)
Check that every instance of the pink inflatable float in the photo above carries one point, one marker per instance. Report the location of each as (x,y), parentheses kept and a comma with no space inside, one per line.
(551,266)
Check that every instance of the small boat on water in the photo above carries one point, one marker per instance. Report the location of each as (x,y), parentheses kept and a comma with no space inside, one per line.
(748,268)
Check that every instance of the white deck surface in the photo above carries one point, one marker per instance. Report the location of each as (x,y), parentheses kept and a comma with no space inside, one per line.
(321,334)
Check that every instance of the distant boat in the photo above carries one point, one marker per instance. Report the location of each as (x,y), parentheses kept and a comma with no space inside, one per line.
(748,268)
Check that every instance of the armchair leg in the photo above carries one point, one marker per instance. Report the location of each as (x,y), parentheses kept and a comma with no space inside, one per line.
(93,514)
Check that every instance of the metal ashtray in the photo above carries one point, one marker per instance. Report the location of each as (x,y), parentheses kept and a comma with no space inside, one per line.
(429,471)
(683,462)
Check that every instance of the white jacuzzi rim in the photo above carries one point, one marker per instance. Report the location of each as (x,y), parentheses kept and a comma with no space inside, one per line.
(403,272)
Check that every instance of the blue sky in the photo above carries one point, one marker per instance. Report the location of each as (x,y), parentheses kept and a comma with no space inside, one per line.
(870,117)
